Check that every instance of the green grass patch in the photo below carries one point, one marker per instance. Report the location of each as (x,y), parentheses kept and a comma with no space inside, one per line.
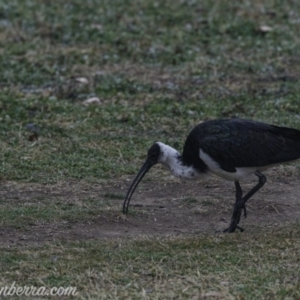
(225,266)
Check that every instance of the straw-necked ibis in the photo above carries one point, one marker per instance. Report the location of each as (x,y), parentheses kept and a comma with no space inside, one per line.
(230,148)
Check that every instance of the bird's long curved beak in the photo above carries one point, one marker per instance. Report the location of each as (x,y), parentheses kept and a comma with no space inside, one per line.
(142,172)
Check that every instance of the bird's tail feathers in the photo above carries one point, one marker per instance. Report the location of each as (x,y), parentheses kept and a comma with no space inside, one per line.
(288,133)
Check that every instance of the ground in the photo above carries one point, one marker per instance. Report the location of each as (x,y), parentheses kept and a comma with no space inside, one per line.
(175,208)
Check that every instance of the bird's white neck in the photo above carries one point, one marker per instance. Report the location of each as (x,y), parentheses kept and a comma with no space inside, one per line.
(171,158)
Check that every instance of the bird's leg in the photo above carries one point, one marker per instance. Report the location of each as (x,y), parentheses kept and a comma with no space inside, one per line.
(236,213)
(240,204)
(239,195)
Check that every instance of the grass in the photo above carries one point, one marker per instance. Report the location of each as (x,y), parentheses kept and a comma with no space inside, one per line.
(158,68)
(168,267)
(137,90)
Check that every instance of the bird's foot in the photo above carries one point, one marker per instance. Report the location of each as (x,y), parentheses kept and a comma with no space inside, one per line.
(232,228)
(235,220)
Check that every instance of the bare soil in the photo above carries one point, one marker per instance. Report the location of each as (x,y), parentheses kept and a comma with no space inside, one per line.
(157,208)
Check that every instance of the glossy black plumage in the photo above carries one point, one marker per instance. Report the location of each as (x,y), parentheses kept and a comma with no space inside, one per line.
(235,143)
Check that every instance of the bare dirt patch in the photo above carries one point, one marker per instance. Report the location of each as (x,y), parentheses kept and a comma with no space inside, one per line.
(156,209)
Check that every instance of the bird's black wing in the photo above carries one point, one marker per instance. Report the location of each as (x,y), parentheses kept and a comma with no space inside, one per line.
(242,143)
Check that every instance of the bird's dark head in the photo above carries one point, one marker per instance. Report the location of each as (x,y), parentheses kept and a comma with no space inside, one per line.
(153,157)
(154,154)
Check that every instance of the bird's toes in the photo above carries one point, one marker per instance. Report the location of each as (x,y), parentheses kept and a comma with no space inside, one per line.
(240,228)
(232,228)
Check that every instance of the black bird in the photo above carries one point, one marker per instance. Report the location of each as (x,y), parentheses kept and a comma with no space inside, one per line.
(230,148)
